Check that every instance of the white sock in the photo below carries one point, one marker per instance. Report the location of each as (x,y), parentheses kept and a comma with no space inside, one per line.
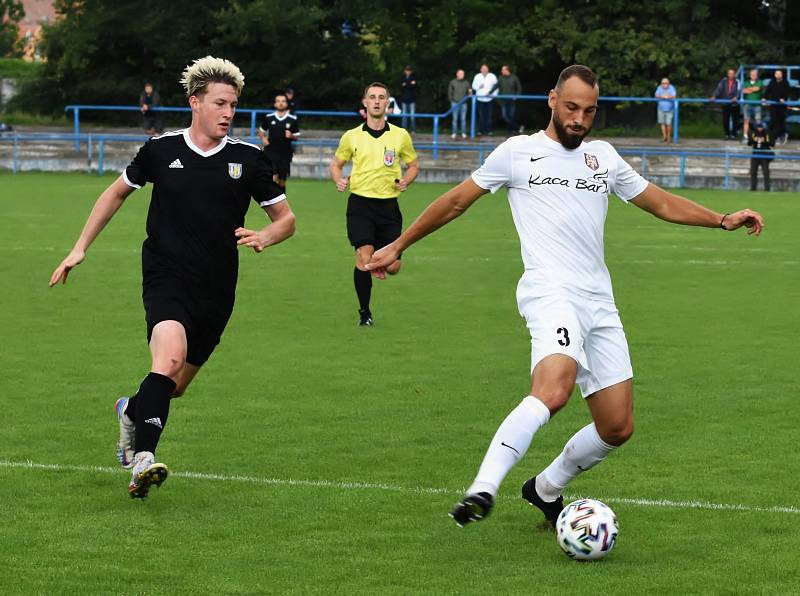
(509,444)
(582,452)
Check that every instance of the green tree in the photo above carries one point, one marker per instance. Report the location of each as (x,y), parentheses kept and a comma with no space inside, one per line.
(11,13)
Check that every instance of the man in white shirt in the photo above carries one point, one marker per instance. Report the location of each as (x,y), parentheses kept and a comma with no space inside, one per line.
(484,84)
(558,189)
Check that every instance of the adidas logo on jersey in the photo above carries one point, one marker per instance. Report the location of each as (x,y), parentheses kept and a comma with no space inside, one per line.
(176,164)
(155,421)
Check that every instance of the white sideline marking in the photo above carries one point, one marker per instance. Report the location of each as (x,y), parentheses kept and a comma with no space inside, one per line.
(30,465)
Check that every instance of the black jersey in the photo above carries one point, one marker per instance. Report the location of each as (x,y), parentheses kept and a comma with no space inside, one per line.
(199,198)
(275,128)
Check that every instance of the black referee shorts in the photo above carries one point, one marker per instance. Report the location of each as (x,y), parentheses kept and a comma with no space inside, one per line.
(204,315)
(373,221)
(281,162)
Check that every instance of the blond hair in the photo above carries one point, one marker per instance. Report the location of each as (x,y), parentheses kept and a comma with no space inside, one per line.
(203,71)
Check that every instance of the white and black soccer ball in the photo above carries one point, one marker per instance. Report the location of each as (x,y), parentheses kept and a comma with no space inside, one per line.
(587,529)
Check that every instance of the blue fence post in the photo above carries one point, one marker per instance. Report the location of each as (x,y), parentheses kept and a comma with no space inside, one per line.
(77,127)
(14,155)
(726,182)
(89,153)
(101,156)
(253,126)
(682,171)
(472,118)
(675,123)
(435,137)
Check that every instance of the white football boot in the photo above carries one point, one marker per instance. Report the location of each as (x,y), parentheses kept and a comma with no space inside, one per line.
(146,473)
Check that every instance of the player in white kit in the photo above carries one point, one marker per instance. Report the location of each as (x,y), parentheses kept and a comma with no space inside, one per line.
(558,189)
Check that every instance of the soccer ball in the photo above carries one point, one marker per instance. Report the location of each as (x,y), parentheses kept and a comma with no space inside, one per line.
(586,529)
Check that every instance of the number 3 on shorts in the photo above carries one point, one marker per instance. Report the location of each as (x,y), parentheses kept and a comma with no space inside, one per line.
(564,340)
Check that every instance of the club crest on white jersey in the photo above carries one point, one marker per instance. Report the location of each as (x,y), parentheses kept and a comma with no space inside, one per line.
(591,161)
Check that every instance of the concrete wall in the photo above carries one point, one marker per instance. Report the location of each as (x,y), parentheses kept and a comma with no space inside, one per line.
(8,89)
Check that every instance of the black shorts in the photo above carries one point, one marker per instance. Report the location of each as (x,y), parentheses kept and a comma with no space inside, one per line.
(373,221)
(203,315)
(281,163)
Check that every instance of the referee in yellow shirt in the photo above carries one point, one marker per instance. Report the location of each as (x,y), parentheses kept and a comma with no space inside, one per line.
(373,215)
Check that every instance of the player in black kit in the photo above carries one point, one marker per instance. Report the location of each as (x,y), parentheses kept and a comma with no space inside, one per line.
(203,182)
(277,131)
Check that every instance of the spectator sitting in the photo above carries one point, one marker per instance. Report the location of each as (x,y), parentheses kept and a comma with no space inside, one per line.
(408,97)
(149,98)
(666,108)
(761,142)
(728,89)
(752,91)
(509,84)
(457,90)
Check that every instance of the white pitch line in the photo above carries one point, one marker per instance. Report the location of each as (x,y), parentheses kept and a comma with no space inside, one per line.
(343,485)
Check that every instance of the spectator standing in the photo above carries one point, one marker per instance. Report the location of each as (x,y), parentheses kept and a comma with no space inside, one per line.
(753,90)
(151,121)
(762,144)
(666,108)
(457,90)
(408,97)
(728,89)
(484,85)
(509,84)
(778,91)
(291,101)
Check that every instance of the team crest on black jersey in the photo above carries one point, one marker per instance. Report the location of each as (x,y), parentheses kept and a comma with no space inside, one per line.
(388,157)
(591,161)
(235,170)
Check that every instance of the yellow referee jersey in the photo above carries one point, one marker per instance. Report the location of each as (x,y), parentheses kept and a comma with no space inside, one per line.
(376,161)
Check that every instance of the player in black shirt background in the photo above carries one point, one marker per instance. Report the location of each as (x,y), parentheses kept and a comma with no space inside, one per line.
(203,182)
(277,131)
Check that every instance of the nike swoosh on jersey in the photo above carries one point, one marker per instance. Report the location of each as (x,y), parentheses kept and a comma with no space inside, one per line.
(538,158)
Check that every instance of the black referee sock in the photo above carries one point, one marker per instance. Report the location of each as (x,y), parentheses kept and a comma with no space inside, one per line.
(152,409)
(363,283)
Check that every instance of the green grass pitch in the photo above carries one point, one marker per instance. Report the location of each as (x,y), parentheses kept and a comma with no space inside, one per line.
(315,457)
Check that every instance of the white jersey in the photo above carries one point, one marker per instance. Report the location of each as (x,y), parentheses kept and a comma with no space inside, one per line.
(559,201)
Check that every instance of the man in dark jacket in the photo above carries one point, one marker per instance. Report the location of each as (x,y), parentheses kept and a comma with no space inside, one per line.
(408,97)
(151,121)
(779,91)
(728,88)
(761,142)
(509,84)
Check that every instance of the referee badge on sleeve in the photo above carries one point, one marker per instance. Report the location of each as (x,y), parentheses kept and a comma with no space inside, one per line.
(235,170)
(388,157)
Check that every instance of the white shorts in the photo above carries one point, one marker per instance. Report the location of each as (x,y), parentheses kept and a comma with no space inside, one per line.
(588,331)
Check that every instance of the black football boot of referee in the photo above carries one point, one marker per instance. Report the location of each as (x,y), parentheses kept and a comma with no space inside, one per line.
(550,510)
(365,318)
(472,508)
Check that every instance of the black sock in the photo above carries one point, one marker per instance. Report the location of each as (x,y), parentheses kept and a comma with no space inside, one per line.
(152,408)
(363,283)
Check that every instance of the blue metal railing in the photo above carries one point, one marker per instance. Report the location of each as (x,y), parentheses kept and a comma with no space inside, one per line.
(481,149)
(435,118)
